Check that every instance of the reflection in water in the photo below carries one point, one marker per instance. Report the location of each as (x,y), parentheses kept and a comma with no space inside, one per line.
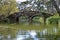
(44,31)
(55,30)
(33,35)
(8,37)
(13,34)
(36,23)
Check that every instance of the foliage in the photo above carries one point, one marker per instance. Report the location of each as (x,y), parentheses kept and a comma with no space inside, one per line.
(54,18)
(8,6)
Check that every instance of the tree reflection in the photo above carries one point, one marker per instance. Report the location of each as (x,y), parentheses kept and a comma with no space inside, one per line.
(16,34)
(7,33)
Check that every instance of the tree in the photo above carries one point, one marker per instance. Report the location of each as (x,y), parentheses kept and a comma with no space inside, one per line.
(8,7)
(56,6)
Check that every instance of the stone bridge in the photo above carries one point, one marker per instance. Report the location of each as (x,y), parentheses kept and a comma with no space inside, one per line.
(29,15)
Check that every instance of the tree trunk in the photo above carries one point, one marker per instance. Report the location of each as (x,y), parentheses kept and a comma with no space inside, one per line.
(56,6)
(59,14)
(45,20)
(30,19)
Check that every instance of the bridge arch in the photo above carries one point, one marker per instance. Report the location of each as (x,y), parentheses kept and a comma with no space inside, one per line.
(23,18)
(36,17)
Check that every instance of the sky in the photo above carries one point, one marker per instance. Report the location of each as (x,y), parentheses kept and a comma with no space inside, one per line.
(20,0)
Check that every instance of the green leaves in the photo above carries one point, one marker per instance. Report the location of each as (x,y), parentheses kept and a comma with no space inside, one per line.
(8,6)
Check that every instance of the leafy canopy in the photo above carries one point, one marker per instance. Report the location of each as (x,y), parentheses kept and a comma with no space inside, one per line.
(8,6)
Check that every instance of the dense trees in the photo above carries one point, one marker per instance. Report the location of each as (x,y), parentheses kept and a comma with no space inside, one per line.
(7,6)
(47,7)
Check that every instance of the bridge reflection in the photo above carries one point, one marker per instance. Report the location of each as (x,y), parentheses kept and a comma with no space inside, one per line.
(33,35)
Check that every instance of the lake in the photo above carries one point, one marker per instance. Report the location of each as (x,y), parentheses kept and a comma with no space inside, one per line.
(26,31)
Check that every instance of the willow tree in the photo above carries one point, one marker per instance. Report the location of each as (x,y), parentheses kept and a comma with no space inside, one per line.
(8,6)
